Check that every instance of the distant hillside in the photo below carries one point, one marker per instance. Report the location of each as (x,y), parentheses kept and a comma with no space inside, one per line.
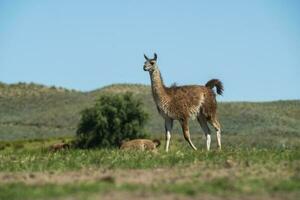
(37,111)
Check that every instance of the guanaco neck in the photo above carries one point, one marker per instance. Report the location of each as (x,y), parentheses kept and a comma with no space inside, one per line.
(158,88)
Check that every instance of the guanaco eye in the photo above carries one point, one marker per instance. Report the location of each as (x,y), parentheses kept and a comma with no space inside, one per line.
(152,63)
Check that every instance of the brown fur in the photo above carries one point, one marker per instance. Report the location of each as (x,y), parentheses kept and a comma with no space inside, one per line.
(183,98)
(182,102)
(141,144)
(58,147)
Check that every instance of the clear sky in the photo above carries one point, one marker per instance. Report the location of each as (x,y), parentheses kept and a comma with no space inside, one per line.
(252,46)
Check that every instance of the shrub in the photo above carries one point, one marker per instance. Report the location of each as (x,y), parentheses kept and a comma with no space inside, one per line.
(113,118)
(2,147)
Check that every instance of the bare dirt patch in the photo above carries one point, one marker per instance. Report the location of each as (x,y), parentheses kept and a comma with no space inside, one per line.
(121,195)
(143,176)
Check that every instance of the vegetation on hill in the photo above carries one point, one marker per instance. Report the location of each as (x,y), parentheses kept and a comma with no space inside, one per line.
(36,111)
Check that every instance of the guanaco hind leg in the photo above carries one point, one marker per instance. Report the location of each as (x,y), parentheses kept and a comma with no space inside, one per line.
(215,123)
(203,123)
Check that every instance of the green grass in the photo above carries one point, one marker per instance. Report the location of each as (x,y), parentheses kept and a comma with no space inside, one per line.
(241,168)
(24,157)
(23,191)
(219,187)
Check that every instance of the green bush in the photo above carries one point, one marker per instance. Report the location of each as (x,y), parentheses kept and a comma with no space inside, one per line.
(113,118)
(2,147)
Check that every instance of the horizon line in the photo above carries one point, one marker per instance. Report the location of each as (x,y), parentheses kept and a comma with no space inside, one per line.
(140,84)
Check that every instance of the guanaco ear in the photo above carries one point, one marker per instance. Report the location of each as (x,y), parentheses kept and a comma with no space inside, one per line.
(146,57)
(155,56)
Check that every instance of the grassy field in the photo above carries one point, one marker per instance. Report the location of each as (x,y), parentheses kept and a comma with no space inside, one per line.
(266,169)
(260,158)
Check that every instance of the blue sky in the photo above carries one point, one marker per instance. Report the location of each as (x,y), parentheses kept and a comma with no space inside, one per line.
(252,46)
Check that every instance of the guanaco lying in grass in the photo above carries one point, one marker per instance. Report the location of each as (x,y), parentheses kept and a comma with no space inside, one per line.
(59,147)
(141,144)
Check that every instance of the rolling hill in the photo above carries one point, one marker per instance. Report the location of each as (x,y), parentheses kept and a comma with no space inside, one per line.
(30,111)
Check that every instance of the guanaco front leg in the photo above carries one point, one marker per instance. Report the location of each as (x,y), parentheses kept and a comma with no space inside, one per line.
(168,128)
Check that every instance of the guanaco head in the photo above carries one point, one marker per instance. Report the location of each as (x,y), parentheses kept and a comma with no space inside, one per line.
(150,64)
(156,142)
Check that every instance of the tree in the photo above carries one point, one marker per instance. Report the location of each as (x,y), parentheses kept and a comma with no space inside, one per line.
(113,118)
